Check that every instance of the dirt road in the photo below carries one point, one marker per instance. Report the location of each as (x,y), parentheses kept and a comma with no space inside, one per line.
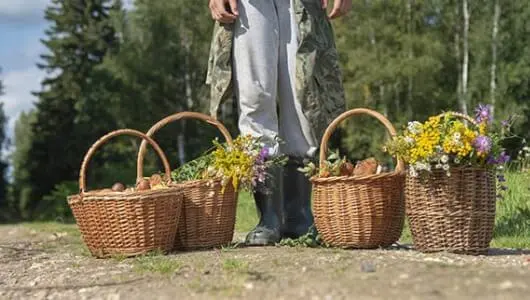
(46,263)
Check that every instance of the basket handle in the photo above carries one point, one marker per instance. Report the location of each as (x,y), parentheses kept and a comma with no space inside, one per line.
(108,136)
(459,115)
(175,117)
(356,111)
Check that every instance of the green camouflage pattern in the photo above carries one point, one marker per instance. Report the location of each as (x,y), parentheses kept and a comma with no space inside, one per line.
(319,79)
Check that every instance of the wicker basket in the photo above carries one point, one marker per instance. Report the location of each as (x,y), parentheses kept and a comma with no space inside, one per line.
(209,215)
(359,212)
(126,223)
(453,214)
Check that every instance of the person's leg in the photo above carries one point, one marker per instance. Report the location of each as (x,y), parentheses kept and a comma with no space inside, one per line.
(256,77)
(295,129)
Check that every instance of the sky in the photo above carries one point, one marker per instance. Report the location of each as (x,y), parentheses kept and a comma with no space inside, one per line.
(22,26)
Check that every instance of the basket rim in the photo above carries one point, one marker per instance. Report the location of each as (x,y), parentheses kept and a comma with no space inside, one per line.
(459,168)
(401,173)
(124,195)
(195,182)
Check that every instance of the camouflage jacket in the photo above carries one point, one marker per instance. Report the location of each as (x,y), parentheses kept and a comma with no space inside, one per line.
(319,80)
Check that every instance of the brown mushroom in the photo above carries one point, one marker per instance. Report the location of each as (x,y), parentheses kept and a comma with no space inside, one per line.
(366,167)
(346,169)
(143,185)
(155,179)
(118,187)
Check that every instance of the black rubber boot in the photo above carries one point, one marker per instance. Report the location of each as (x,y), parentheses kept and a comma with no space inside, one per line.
(268,200)
(297,201)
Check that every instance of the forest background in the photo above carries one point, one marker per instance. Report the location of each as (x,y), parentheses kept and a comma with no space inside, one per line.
(109,68)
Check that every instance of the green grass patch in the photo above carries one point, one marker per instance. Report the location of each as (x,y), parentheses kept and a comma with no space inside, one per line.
(406,234)
(156,263)
(514,242)
(247,215)
(53,227)
(233,265)
(513,212)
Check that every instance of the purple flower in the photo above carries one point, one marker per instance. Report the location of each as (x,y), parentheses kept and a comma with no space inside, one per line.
(263,154)
(503,158)
(506,123)
(482,144)
(491,160)
(483,113)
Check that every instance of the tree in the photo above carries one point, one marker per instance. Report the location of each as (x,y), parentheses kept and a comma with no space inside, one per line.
(3,164)
(161,69)
(70,114)
(21,188)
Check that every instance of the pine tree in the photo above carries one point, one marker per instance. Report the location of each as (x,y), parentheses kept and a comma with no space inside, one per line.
(70,114)
(3,164)
(21,188)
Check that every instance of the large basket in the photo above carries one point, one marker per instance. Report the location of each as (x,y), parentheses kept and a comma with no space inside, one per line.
(453,214)
(359,212)
(126,223)
(209,215)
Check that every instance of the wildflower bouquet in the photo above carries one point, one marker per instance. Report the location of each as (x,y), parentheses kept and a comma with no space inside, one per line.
(445,141)
(464,204)
(244,164)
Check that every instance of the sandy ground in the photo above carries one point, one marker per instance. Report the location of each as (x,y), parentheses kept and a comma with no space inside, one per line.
(41,264)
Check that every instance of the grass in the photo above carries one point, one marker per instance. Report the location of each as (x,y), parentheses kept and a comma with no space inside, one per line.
(233,265)
(156,263)
(247,215)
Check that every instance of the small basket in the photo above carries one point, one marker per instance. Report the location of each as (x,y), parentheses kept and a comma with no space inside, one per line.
(452,214)
(127,223)
(359,212)
(209,215)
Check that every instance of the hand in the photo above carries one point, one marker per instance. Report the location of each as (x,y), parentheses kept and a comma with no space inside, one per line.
(340,7)
(218,9)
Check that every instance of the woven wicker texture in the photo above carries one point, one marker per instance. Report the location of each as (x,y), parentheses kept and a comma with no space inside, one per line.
(209,216)
(359,212)
(454,214)
(126,223)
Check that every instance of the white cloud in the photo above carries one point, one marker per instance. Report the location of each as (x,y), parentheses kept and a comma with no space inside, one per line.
(127,4)
(22,10)
(17,98)
(32,11)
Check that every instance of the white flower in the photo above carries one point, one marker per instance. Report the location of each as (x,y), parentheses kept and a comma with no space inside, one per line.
(413,172)
(444,159)
(456,136)
(438,166)
(457,160)
(448,174)
(409,140)
(446,167)
(414,127)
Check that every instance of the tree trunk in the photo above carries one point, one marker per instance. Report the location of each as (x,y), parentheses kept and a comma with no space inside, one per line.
(493,71)
(397,102)
(181,137)
(465,62)
(411,50)
(458,55)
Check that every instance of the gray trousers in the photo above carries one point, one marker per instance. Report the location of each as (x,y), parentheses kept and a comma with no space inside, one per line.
(264,64)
